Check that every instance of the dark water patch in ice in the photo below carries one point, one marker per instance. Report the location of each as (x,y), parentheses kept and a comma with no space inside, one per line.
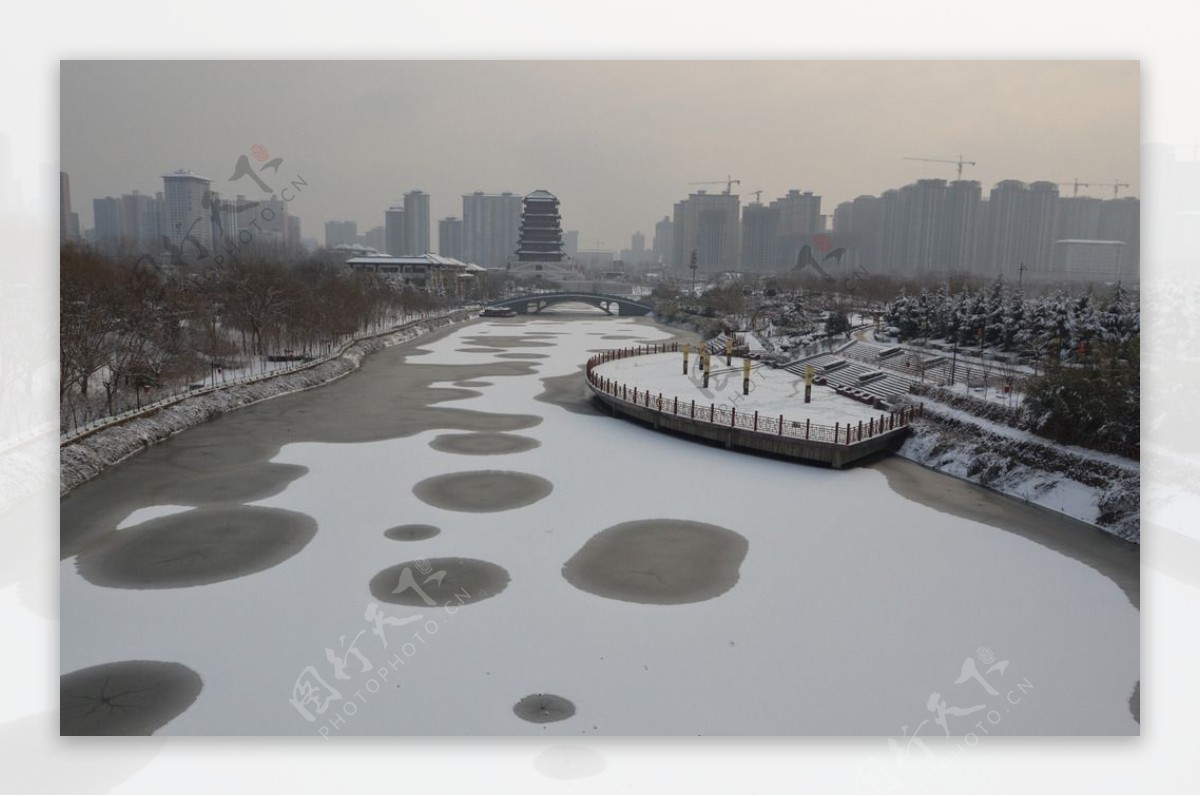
(660,562)
(507,341)
(439,581)
(483,444)
(387,398)
(544,708)
(570,391)
(411,533)
(1135,702)
(483,490)
(521,355)
(198,547)
(199,454)
(125,697)
(1116,559)
(478,350)
(243,484)
(619,337)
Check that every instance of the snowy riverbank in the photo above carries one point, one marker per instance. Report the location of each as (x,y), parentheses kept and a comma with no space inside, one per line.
(86,458)
(1100,489)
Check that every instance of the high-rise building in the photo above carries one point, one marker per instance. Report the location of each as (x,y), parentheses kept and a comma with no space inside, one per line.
(637,256)
(376,238)
(189,224)
(225,223)
(64,210)
(1078,218)
(571,242)
(893,229)
(108,226)
(1043,209)
(491,226)
(924,217)
(709,225)
(1120,219)
(541,237)
(1004,240)
(450,237)
(1088,260)
(292,235)
(340,233)
(856,224)
(140,222)
(637,244)
(945,228)
(416,223)
(962,221)
(758,238)
(662,246)
(265,221)
(797,219)
(393,221)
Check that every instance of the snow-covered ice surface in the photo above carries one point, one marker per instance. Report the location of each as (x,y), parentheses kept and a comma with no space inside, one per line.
(854,605)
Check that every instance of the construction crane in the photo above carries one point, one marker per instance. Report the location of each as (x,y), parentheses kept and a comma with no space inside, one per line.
(960,162)
(1116,186)
(728,182)
(1076,185)
(756,194)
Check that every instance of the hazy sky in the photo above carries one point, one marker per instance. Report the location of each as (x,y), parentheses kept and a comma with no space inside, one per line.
(617,141)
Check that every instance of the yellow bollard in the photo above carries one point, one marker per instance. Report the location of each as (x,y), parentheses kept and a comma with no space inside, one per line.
(808,377)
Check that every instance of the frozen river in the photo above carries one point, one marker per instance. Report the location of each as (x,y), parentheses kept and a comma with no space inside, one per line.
(586,575)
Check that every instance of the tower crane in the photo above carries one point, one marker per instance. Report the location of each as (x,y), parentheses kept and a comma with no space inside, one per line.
(1076,185)
(1116,186)
(960,162)
(729,182)
(756,195)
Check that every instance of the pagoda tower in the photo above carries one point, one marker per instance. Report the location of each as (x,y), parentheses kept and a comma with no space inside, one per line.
(541,238)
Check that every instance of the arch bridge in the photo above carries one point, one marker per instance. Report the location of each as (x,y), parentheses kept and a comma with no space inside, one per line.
(612,305)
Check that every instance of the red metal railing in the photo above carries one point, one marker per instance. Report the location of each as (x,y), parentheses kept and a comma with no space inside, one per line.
(839,433)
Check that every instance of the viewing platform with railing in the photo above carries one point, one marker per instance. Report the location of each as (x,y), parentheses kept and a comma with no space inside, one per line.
(789,434)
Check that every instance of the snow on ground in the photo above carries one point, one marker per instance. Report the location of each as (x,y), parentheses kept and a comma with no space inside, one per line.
(1020,435)
(772,391)
(854,604)
(992,395)
(1048,490)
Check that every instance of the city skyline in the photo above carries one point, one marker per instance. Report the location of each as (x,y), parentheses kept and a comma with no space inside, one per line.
(619,143)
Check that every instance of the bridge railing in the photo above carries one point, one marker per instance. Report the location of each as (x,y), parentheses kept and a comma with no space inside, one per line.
(846,433)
